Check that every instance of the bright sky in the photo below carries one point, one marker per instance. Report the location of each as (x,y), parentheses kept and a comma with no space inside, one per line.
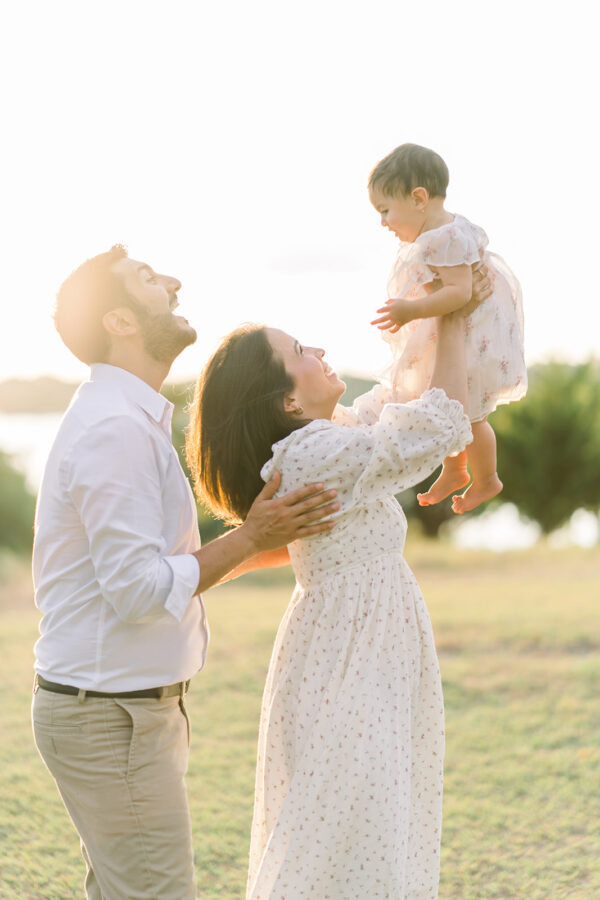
(229,143)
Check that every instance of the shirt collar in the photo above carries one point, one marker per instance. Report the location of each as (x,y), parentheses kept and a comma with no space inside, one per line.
(138,391)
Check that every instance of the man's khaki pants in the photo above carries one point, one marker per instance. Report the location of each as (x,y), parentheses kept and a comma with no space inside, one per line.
(120,766)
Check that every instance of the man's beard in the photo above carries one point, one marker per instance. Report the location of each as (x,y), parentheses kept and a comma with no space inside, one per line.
(164,335)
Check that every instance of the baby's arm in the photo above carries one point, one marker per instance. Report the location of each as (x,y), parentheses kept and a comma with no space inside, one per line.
(455,292)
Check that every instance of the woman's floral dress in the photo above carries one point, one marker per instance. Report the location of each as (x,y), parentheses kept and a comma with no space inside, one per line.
(351,745)
(493,332)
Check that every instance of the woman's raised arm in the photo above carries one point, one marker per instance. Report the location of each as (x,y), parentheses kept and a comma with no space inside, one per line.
(450,370)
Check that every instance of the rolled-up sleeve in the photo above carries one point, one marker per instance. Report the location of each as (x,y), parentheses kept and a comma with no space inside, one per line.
(115,476)
(186,577)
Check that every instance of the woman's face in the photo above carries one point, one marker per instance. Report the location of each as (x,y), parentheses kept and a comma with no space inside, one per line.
(317,388)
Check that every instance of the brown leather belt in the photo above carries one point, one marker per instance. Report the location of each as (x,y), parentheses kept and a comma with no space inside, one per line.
(172,690)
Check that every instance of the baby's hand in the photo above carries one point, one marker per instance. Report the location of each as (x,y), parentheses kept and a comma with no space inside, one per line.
(395,314)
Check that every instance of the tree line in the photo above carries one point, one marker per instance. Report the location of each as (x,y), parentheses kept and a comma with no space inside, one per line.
(548,456)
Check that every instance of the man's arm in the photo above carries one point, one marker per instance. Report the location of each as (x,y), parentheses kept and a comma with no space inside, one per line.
(270,559)
(272,522)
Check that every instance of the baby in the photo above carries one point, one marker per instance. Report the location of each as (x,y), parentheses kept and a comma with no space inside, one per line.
(408,189)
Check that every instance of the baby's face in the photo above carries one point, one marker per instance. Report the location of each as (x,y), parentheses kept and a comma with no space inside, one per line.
(401,215)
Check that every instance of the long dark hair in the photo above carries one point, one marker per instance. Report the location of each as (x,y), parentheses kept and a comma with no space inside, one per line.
(237,414)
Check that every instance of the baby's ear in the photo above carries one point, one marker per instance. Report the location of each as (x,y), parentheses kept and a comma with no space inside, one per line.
(420,197)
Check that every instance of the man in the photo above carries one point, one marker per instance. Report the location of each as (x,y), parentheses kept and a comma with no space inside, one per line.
(118,570)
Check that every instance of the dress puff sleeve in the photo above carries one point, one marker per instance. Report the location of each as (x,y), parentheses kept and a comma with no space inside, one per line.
(366,409)
(456,244)
(367,462)
(410,441)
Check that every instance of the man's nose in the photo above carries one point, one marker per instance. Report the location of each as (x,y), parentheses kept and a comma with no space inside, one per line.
(173,284)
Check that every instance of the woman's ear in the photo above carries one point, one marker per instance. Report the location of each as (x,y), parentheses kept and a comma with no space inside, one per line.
(120,322)
(292,407)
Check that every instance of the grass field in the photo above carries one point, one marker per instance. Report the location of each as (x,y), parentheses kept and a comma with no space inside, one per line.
(519,643)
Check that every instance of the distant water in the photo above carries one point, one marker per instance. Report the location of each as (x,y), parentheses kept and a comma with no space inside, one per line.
(27,438)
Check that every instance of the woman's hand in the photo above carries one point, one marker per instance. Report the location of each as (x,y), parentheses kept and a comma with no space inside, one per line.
(482,289)
(276,521)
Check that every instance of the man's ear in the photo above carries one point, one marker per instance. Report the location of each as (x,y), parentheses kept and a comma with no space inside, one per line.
(420,197)
(121,322)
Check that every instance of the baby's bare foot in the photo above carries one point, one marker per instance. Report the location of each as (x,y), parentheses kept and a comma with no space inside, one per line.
(478,492)
(451,479)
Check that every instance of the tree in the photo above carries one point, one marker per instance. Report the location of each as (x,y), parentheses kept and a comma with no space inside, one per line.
(548,451)
(17,508)
(431,518)
(549,444)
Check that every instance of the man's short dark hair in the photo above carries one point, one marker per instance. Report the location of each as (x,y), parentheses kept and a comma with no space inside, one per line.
(407,167)
(83,299)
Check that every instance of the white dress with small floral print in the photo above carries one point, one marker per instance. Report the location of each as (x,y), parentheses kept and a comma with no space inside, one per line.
(351,744)
(493,332)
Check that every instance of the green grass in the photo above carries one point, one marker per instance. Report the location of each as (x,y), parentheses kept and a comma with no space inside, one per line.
(519,642)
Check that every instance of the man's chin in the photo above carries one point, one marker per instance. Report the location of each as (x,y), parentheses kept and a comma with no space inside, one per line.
(188,336)
(191,333)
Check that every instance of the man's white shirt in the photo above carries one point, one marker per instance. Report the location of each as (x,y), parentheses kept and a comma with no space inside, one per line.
(116,524)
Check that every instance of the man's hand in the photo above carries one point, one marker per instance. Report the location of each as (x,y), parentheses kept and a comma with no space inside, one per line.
(396,313)
(275,521)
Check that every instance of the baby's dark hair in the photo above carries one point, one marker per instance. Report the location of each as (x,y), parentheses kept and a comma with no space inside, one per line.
(407,167)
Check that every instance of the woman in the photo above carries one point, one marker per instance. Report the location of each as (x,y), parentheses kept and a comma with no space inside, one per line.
(351,745)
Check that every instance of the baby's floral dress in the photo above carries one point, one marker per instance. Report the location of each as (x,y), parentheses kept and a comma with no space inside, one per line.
(493,332)
(351,746)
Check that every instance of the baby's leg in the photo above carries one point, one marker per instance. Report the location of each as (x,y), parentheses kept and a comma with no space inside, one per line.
(482,463)
(454,475)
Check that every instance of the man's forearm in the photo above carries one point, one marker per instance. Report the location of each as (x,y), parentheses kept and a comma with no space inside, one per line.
(271,524)
(270,559)
(223,555)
